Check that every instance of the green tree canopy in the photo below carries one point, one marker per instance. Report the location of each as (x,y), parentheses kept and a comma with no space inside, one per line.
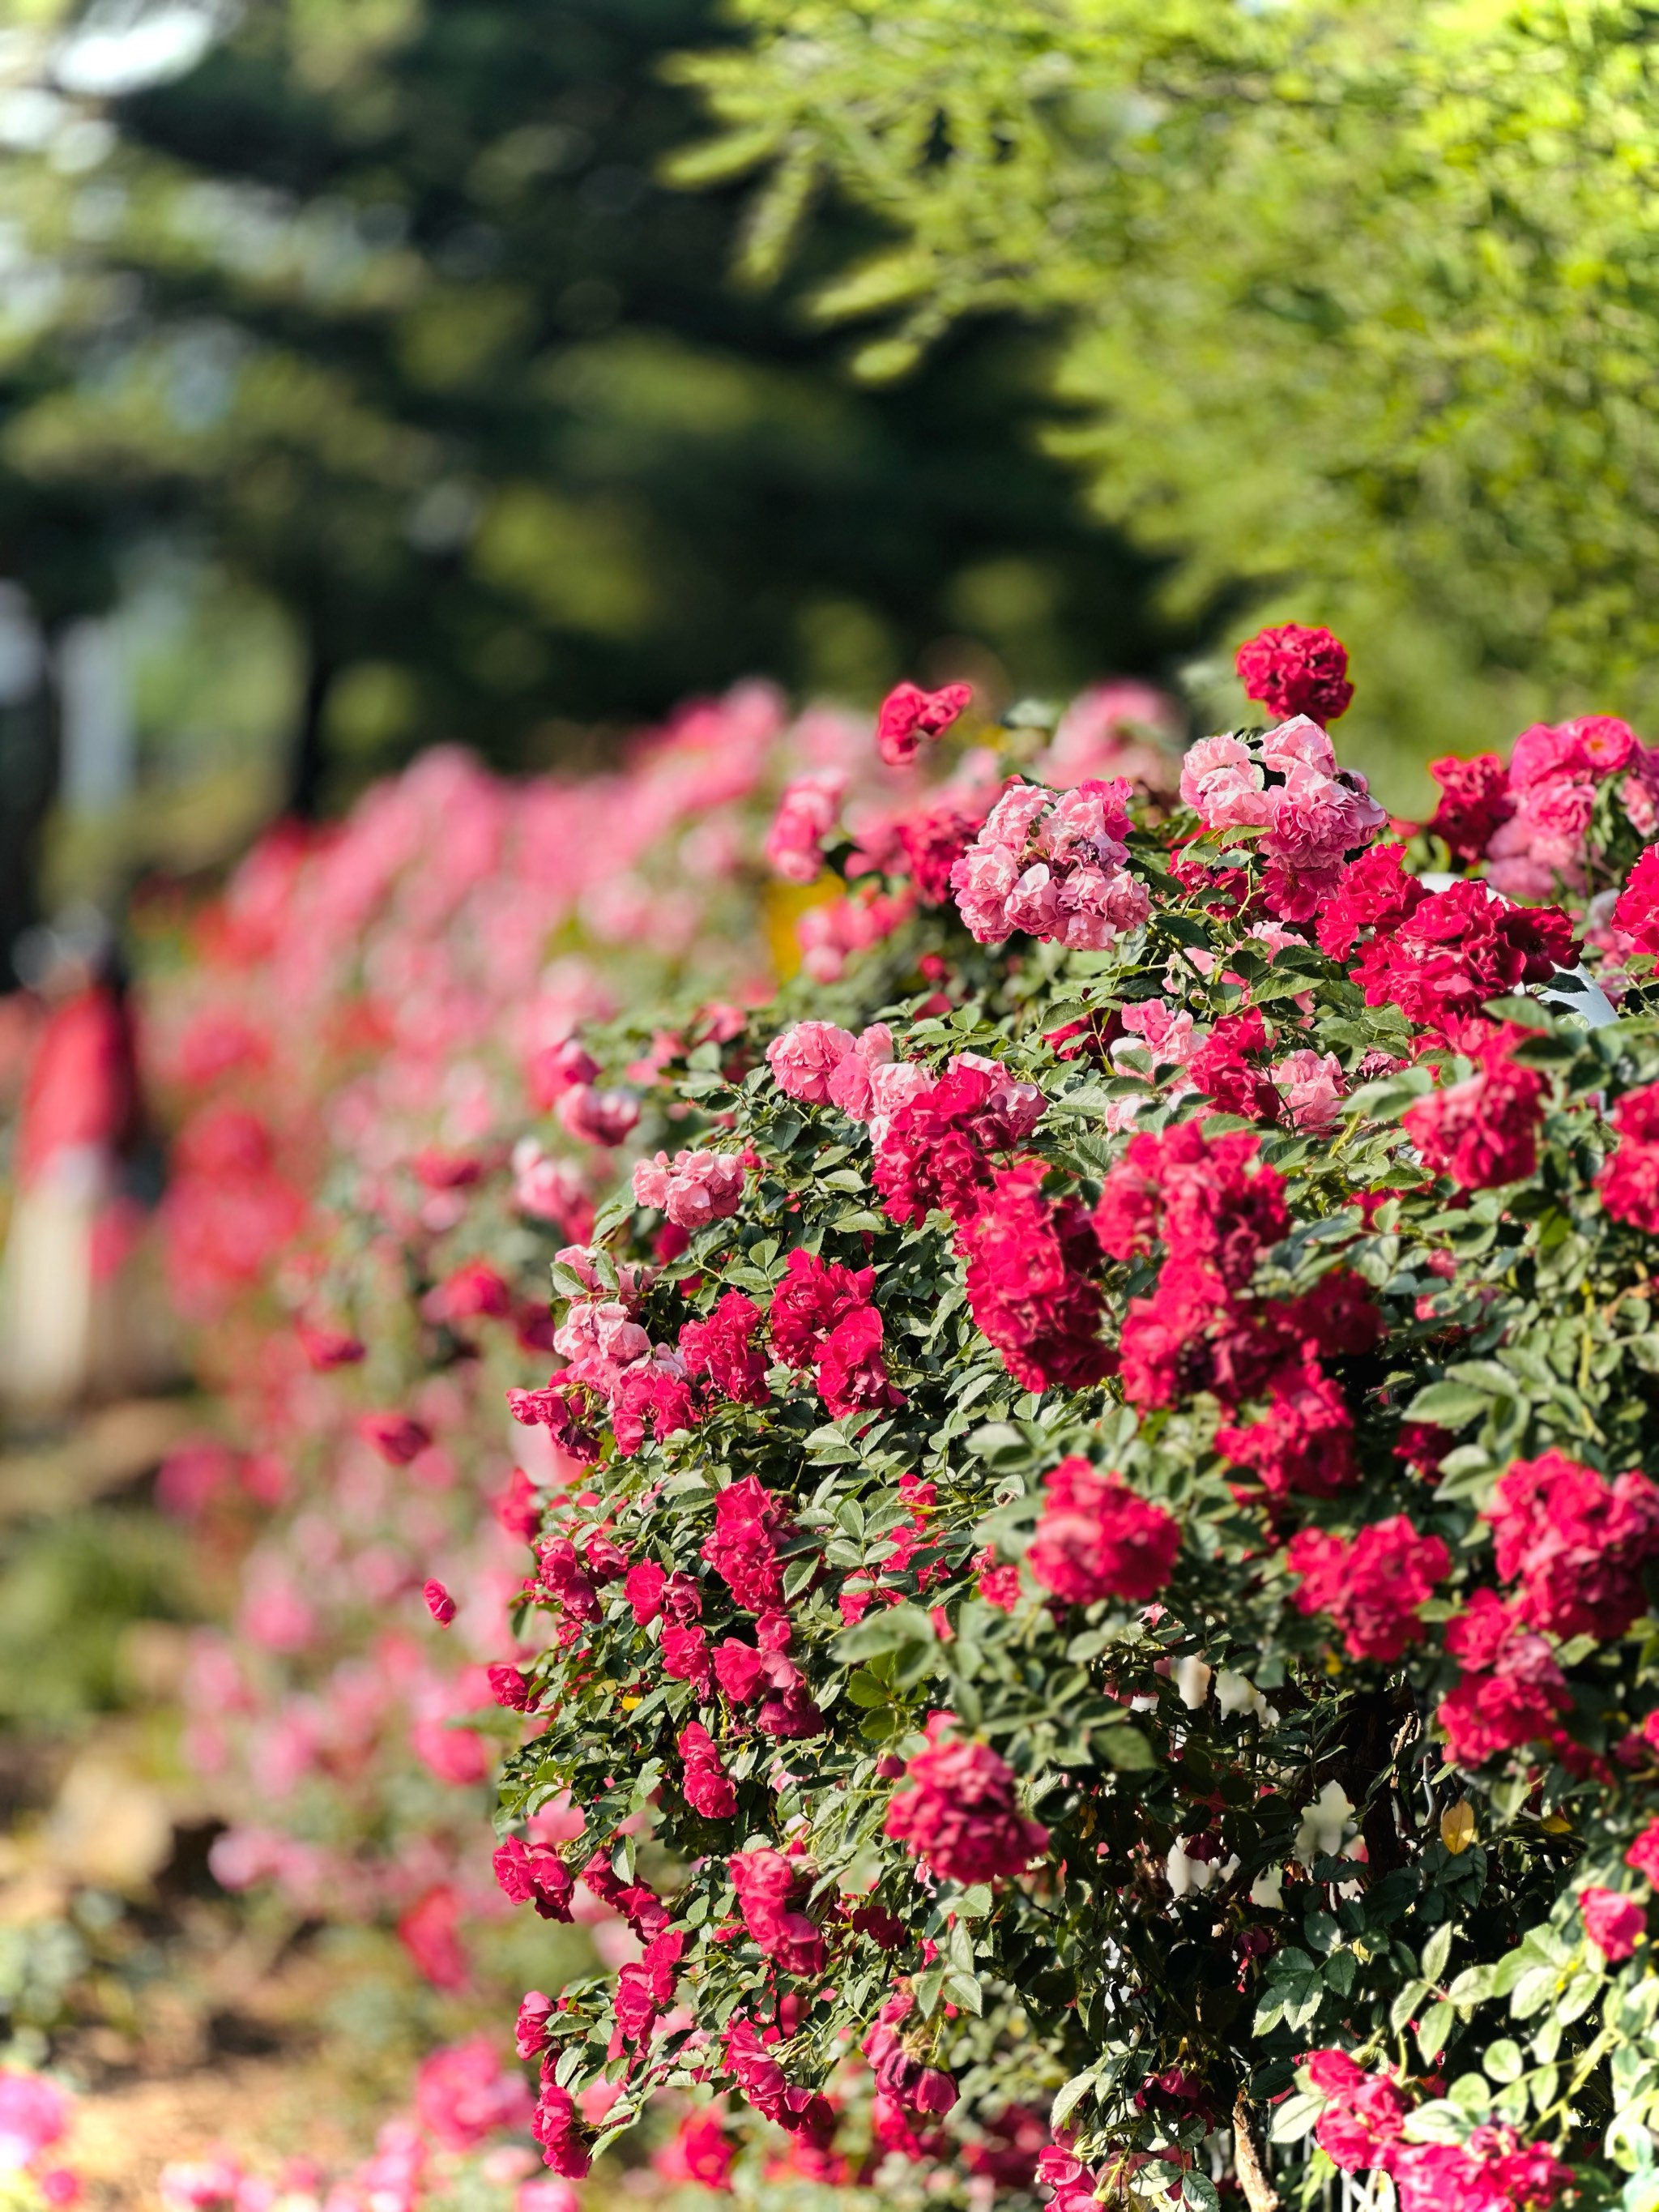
(1360,298)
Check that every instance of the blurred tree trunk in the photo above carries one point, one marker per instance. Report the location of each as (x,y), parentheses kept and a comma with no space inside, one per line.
(31,759)
(308,764)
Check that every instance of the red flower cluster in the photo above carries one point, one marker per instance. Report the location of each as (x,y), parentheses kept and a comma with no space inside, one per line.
(765,1880)
(1372,1587)
(707,1786)
(960,1813)
(1629,1183)
(1475,798)
(1576,1543)
(742,1548)
(937,1148)
(1373,893)
(1215,1207)
(1293,671)
(1511,1689)
(721,1351)
(1031,1263)
(824,1315)
(1456,949)
(899,2073)
(1483,1132)
(1096,1538)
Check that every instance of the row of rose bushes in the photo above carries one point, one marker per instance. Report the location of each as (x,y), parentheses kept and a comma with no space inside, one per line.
(385,1132)
(1064,1359)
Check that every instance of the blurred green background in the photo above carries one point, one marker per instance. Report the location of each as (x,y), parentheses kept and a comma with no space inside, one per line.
(379,372)
(364,385)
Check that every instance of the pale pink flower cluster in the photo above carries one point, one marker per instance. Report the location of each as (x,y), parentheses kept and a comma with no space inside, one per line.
(693,1188)
(829,935)
(806,814)
(1554,774)
(1125,729)
(825,1065)
(1313,813)
(549,1189)
(1055,866)
(1311,1084)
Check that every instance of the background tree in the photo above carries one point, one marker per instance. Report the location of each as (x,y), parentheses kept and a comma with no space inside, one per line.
(384,308)
(1358,300)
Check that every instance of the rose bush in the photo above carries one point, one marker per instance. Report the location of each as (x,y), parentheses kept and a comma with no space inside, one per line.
(1103,1633)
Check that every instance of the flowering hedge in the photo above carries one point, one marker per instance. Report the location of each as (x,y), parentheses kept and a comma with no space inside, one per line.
(387,1128)
(1098,1627)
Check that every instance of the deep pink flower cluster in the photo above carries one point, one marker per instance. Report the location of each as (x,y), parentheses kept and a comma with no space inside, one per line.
(1629,1183)
(1554,775)
(1362,2130)
(899,2073)
(939,1147)
(1474,798)
(1614,1921)
(462,2095)
(1454,950)
(1216,1208)
(1365,2113)
(960,1813)
(645,1989)
(722,1352)
(1637,912)
(765,1881)
(908,714)
(693,1188)
(1483,1132)
(1511,1689)
(824,1315)
(1293,671)
(1054,866)
(764,2085)
(534,1873)
(1574,1543)
(1096,1538)
(1371,1586)
(1032,1266)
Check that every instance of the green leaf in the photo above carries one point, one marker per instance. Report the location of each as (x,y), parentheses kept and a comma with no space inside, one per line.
(1533,1991)
(1436,1952)
(1295,2118)
(889,1630)
(1433,2029)
(1068,2096)
(1502,2061)
(1449,1405)
(1127,1749)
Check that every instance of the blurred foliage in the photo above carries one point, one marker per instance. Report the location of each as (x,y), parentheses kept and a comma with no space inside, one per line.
(1359,299)
(383,307)
(71,1587)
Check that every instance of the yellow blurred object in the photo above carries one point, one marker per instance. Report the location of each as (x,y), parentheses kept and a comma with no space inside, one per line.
(1555,1824)
(782,907)
(1457,1826)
